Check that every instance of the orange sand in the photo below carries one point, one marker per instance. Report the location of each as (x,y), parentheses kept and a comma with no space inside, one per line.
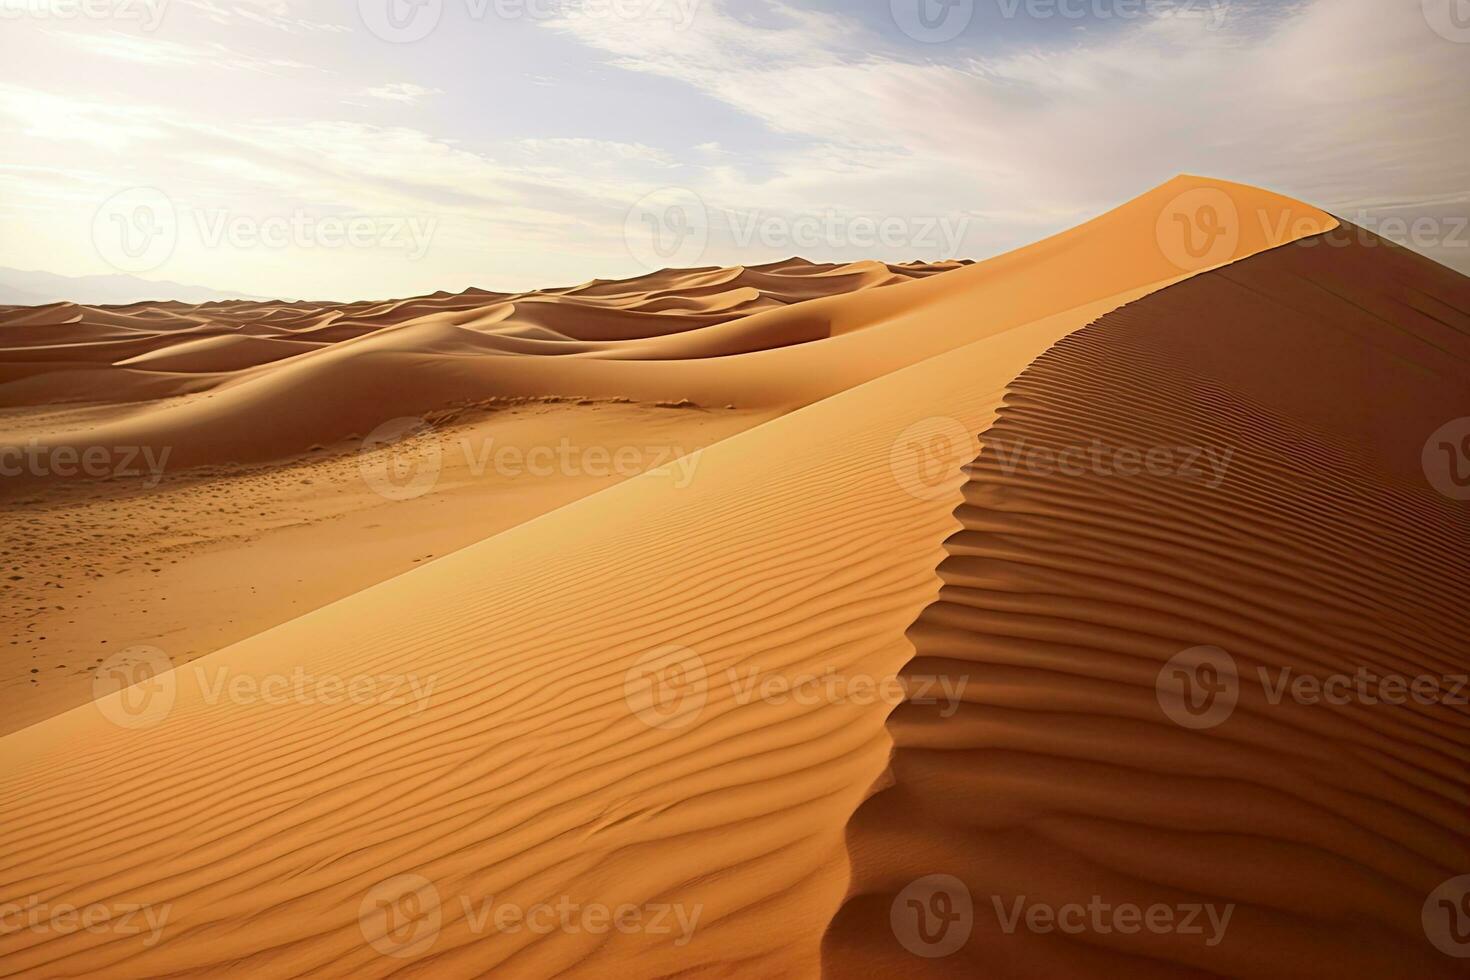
(596,705)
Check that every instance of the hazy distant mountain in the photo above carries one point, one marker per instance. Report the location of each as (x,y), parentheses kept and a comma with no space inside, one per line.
(21,288)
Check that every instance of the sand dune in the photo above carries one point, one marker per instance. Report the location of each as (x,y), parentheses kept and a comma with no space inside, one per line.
(232,363)
(1300,540)
(609,704)
(216,491)
(409,357)
(66,337)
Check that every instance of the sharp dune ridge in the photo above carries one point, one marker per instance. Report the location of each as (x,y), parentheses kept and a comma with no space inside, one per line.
(858,527)
(421,357)
(1320,551)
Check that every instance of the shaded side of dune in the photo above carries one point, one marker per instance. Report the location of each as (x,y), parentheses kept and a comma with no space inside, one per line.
(1283,552)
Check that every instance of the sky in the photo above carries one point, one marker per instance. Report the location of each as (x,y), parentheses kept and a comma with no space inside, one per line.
(346,149)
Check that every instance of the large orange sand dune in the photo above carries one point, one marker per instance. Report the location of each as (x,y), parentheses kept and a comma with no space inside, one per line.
(589,706)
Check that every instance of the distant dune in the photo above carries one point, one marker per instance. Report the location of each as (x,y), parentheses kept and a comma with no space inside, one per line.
(235,430)
(30,288)
(325,373)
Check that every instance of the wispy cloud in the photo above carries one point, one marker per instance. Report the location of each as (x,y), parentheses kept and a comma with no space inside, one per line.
(405,92)
(775,110)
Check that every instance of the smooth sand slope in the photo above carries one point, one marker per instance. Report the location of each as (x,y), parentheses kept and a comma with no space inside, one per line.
(1303,542)
(658,698)
(238,503)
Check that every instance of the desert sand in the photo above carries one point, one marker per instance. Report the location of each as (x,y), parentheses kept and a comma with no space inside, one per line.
(681,693)
(188,551)
(1319,551)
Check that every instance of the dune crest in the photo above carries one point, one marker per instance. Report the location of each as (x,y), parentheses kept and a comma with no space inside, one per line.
(1282,553)
(610,704)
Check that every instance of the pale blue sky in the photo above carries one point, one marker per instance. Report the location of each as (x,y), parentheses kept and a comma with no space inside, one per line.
(511,145)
